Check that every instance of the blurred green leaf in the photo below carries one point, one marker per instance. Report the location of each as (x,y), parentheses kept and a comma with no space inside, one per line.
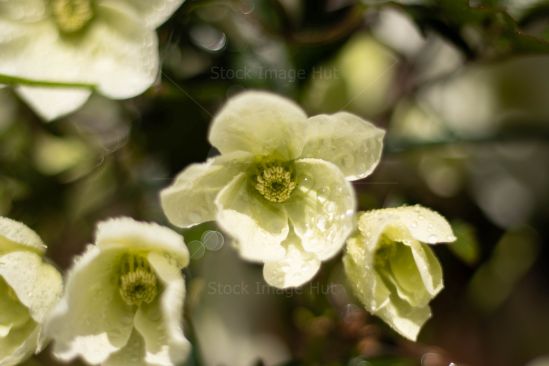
(466,247)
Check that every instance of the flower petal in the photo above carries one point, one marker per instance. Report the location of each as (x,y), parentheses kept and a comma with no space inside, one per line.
(296,268)
(346,140)
(100,322)
(159,323)
(133,353)
(379,299)
(12,312)
(403,318)
(404,224)
(322,208)
(366,283)
(259,227)
(23,10)
(429,268)
(37,285)
(190,199)
(116,52)
(126,233)
(154,13)
(20,344)
(51,103)
(14,234)
(261,123)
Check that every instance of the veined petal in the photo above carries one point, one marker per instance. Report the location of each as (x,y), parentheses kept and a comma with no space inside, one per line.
(100,321)
(259,227)
(14,235)
(296,268)
(53,103)
(404,224)
(37,285)
(346,140)
(260,123)
(133,353)
(159,323)
(154,13)
(190,199)
(126,233)
(322,207)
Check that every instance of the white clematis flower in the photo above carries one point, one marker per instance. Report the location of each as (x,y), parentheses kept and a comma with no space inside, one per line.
(29,288)
(124,298)
(390,267)
(281,185)
(111,44)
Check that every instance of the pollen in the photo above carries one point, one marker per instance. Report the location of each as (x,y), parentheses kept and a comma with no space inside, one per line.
(72,16)
(138,283)
(275,182)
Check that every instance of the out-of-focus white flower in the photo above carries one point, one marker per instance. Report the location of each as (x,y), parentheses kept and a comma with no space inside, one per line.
(124,298)
(28,290)
(111,44)
(391,269)
(280,186)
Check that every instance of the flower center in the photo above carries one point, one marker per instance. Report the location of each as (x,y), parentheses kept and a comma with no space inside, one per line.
(138,283)
(275,182)
(72,15)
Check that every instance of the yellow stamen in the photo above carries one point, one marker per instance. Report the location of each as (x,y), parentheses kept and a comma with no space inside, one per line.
(72,15)
(275,182)
(138,283)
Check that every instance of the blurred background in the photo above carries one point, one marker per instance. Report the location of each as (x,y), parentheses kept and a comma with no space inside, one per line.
(462,88)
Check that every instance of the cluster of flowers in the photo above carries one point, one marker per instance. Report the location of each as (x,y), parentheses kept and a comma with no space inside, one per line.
(280,188)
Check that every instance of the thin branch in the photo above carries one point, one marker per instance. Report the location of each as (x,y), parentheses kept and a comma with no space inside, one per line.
(17,81)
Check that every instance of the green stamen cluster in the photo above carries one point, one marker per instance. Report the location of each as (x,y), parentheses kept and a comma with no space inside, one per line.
(138,283)
(275,182)
(72,15)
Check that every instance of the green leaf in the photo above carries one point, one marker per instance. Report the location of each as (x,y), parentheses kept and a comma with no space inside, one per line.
(466,247)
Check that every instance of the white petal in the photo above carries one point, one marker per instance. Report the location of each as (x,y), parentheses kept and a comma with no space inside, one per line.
(296,268)
(366,283)
(377,298)
(159,323)
(346,140)
(261,123)
(322,207)
(429,268)
(13,314)
(156,12)
(259,227)
(52,103)
(123,54)
(126,233)
(38,285)
(406,320)
(19,345)
(14,233)
(190,199)
(23,10)
(91,320)
(405,223)
(133,353)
